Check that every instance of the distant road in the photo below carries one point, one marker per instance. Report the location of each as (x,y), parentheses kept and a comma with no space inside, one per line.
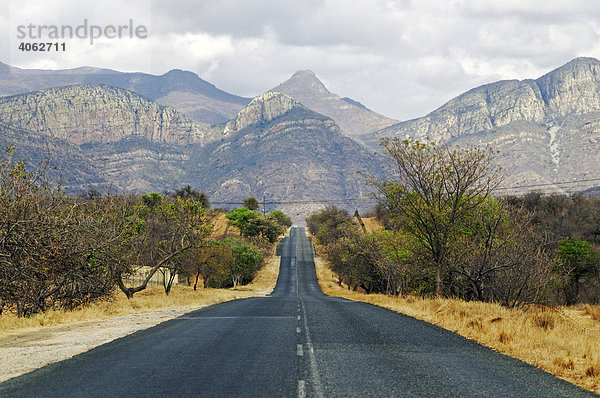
(296,342)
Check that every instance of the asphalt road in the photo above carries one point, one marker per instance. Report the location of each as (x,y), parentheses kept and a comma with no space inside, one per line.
(296,342)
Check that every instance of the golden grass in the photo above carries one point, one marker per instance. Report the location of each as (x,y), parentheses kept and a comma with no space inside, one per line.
(564,341)
(222,228)
(372,224)
(153,298)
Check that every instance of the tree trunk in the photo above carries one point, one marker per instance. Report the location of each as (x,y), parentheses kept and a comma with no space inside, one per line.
(196,282)
(170,283)
(438,281)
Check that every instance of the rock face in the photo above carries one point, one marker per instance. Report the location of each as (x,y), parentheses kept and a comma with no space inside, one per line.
(354,119)
(261,109)
(182,90)
(289,153)
(546,130)
(68,163)
(103,136)
(89,113)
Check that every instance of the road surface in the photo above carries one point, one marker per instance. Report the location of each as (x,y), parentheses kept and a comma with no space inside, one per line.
(296,342)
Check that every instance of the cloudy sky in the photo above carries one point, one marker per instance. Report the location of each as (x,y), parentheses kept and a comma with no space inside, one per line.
(402,58)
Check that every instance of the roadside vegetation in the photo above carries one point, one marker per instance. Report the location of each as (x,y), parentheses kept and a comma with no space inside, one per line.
(520,274)
(60,253)
(151,299)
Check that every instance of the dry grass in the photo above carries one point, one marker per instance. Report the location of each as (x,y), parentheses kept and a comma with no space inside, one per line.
(150,299)
(222,228)
(372,224)
(593,312)
(562,341)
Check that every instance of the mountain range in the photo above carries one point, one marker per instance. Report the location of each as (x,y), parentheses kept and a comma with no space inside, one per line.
(297,144)
(183,90)
(547,130)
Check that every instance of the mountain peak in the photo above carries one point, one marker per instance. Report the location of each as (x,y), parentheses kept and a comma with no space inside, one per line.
(352,117)
(572,88)
(304,73)
(302,83)
(181,73)
(581,61)
(576,66)
(261,109)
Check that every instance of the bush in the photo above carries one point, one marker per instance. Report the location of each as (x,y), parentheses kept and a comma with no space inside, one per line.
(235,264)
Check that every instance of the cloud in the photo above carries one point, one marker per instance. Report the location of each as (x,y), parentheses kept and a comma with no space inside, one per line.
(402,58)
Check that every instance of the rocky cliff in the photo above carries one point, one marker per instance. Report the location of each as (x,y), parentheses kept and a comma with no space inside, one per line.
(279,148)
(98,113)
(63,161)
(261,109)
(571,89)
(547,130)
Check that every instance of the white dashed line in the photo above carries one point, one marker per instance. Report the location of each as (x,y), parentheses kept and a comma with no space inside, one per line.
(314,372)
(297,330)
(300,350)
(301,389)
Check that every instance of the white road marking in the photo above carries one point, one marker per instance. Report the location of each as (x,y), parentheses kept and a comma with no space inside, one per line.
(297,330)
(301,389)
(314,372)
(298,317)
(299,350)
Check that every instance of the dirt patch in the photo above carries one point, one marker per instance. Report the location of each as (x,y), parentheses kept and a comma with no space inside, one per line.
(32,349)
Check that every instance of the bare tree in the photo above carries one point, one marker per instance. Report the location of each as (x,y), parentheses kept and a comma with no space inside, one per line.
(52,248)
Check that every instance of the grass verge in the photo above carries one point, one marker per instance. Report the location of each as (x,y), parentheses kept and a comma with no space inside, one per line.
(564,341)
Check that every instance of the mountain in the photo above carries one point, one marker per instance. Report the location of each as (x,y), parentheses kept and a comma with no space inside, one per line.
(100,136)
(547,130)
(99,113)
(182,90)
(280,148)
(67,164)
(354,119)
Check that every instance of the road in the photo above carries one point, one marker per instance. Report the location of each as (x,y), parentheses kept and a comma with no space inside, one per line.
(296,342)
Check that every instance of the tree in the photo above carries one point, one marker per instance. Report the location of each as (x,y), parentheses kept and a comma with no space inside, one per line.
(246,262)
(329,215)
(435,188)
(206,261)
(579,260)
(160,233)
(281,218)
(188,192)
(271,228)
(252,223)
(243,218)
(251,203)
(151,200)
(53,249)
